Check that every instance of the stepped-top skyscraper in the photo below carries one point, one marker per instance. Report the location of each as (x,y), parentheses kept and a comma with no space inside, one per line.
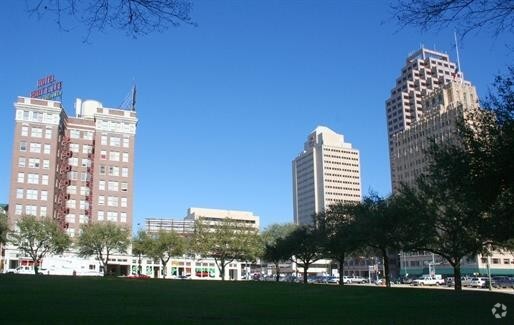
(75,170)
(424,72)
(325,173)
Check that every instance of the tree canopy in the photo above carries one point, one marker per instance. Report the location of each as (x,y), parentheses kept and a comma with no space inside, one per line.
(163,246)
(39,237)
(276,249)
(101,240)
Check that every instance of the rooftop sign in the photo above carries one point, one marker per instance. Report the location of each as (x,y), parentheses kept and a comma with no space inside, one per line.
(48,88)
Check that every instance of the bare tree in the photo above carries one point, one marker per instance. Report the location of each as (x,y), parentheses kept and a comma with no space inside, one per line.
(136,17)
(466,15)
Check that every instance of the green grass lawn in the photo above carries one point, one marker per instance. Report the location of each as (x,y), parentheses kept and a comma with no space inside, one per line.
(52,299)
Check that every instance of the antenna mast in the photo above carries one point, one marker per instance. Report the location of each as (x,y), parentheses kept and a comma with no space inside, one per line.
(458,57)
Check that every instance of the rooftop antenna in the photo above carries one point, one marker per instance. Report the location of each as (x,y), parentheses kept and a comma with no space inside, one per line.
(133,104)
(129,103)
(458,57)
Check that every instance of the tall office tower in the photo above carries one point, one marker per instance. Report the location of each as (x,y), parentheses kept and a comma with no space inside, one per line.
(424,71)
(75,170)
(443,108)
(325,173)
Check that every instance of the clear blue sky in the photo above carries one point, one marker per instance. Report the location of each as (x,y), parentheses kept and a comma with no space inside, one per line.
(224,107)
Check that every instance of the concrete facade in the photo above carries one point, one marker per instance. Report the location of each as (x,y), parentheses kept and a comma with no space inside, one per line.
(325,173)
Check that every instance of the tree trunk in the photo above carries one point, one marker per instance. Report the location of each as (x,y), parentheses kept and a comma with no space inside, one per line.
(386,268)
(139,267)
(36,267)
(277,268)
(341,270)
(222,270)
(456,276)
(164,268)
(305,268)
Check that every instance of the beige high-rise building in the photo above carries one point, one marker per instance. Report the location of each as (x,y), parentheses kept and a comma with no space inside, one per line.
(75,170)
(443,108)
(424,72)
(325,173)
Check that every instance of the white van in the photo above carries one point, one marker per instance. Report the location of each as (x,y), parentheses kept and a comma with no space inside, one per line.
(28,270)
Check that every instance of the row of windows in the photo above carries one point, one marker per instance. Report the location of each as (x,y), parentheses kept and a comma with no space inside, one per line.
(342,151)
(71,218)
(112,216)
(34,147)
(32,178)
(114,170)
(30,210)
(86,148)
(114,156)
(36,132)
(112,186)
(113,201)
(75,134)
(33,163)
(72,204)
(72,189)
(339,163)
(31,194)
(115,141)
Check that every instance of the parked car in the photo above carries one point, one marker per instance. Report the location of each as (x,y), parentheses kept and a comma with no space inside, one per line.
(379,282)
(406,280)
(357,279)
(29,270)
(477,282)
(347,279)
(332,279)
(501,282)
(450,281)
(466,281)
(138,276)
(427,280)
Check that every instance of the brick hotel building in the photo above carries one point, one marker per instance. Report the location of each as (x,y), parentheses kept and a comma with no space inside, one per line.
(75,170)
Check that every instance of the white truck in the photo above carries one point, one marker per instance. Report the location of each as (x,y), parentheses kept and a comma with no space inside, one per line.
(427,280)
(62,265)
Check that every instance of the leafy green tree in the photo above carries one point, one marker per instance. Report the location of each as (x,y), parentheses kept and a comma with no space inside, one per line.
(101,240)
(340,234)
(464,202)
(3,228)
(164,245)
(304,243)
(275,248)
(140,246)
(225,241)
(37,238)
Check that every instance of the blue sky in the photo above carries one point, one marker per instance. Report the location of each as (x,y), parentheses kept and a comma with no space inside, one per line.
(226,106)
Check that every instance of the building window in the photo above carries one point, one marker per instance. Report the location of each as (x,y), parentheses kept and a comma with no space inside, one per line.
(87,149)
(87,135)
(124,187)
(46,164)
(72,189)
(21,162)
(123,217)
(84,190)
(74,134)
(101,200)
(86,163)
(113,186)
(496,261)
(83,219)
(44,195)
(102,169)
(42,211)
(23,146)
(125,157)
(71,204)
(30,210)
(46,149)
(112,201)
(114,156)
(25,130)
(124,172)
(84,177)
(73,161)
(48,133)
(73,175)
(114,171)
(123,202)
(114,142)
(35,147)
(18,209)
(101,185)
(71,232)
(103,140)
(506,261)
(19,193)
(125,143)
(70,218)
(83,205)
(33,178)
(112,216)
(36,133)
(103,154)
(100,215)
(74,147)
(44,179)
(33,163)
(32,194)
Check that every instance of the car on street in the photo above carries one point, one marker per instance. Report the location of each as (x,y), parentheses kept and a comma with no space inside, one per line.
(466,281)
(347,279)
(501,282)
(427,281)
(138,276)
(357,279)
(477,282)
